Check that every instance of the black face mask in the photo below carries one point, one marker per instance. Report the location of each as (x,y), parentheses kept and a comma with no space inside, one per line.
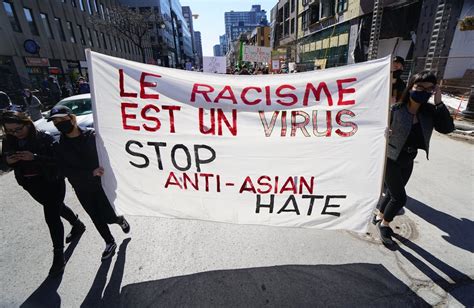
(65,127)
(421,97)
(397,74)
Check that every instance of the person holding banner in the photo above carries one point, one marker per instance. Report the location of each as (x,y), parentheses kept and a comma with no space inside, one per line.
(412,122)
(78,159)
(30,153)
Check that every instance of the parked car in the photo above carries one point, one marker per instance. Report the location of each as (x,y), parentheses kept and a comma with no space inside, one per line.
(80,105)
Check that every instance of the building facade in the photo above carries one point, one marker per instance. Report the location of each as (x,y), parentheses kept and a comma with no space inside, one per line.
(239,22)
(223,44)
(217,50)
(169,35)
(260,36)
(188,16)
(198,44)
(285,30)
(43,38)
(185,53)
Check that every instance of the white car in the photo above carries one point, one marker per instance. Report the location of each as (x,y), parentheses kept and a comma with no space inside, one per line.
(80,105)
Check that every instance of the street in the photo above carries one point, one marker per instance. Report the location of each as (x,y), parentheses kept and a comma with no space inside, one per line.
(169,262)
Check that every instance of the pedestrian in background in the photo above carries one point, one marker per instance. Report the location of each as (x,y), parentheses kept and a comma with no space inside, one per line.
(78,160)
(33,105)
(54,90)
(412,122)
(5,101)
(30,153)
(398,85)
(83,86)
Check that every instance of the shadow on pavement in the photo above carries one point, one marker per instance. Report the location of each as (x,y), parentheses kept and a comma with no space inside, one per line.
(349,285)
(47,293)
(460,281)
(111,297)
(458,229)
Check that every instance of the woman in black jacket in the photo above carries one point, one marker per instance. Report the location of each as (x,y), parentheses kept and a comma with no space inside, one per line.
(30,153)
(411,125)
(79,162)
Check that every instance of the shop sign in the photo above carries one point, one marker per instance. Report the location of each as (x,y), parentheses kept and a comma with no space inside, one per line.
(30,61)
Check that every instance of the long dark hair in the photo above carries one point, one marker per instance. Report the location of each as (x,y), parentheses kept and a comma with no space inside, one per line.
(423,76)
(15,117)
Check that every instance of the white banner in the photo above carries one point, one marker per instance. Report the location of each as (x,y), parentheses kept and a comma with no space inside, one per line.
(300,150)
(257,54)
(215,65)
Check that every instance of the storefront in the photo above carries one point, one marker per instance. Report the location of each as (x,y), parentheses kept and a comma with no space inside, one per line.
(73,71)
(37,69)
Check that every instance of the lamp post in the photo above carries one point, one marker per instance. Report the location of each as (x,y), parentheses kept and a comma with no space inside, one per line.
(162,27)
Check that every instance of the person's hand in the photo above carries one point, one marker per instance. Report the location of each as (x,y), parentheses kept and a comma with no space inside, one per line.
(98,172)
(25,155)
(437,95)
(12,159)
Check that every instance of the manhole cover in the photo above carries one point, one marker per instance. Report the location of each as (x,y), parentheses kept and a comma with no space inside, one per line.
(401,225)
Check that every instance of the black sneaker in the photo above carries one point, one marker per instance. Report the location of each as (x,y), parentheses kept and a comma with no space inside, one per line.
(109,251)
(123,223)
(58,264)
(77,229)
(385,233)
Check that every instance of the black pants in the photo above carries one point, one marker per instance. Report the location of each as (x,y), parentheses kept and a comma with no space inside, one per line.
(397,174)
(50,194)
(97,206)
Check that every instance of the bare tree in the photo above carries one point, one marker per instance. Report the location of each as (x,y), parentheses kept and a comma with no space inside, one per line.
(128,23)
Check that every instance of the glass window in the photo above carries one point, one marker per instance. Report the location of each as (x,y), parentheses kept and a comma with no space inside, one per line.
(12,17)
(304,20)
(112,47)
(102,12)
(31,21)
(81,5)
(341,5)
(59,25)
(89,37)
(89,7)
(292,25)
(81,35)
(96,6)
(71,32)
(78,106)
(46,25)
(103,40)
(327,8)
(97,38)
(73,3)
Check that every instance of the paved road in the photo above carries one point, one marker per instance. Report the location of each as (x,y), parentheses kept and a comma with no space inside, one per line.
(165,262)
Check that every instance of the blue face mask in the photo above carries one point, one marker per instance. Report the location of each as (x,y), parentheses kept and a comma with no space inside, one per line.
(421,97)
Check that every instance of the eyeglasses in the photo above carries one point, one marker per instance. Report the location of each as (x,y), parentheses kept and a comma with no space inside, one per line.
(421,88)
(15,130)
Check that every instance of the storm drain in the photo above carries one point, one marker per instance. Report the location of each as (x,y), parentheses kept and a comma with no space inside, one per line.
(401,225)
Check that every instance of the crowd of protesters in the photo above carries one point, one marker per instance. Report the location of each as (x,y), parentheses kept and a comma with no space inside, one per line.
(41,164)
(51,91)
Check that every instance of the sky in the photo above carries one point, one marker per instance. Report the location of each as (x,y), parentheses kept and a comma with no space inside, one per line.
(211,17)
